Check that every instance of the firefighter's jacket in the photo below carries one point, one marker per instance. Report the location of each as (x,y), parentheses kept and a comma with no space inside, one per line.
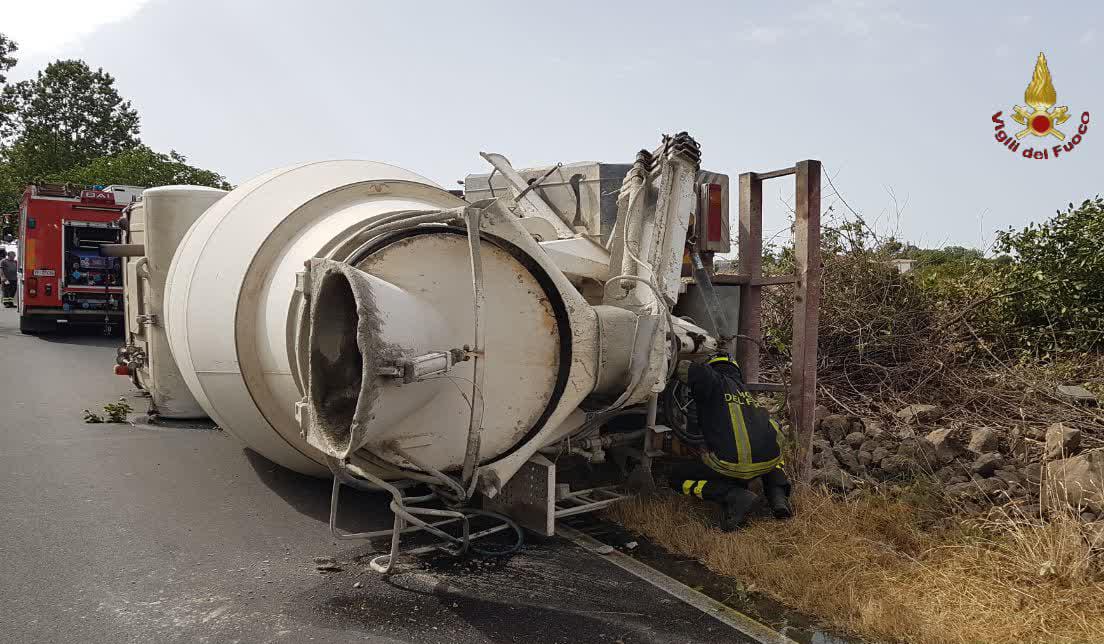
(743,441)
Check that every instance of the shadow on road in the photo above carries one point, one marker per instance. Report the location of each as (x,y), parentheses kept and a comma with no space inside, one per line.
(92,336)
(359,511)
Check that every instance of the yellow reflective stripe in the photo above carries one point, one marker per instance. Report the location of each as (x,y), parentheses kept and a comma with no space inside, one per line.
(686,485)
(738,470)
(734,418)
(739,429)
(779,438)
(726,467)
(698,489)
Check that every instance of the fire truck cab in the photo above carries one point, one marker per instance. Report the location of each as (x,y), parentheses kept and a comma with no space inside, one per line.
(63,278)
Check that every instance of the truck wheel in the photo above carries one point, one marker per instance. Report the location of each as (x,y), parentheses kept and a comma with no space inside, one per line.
(27,325)
(31,325)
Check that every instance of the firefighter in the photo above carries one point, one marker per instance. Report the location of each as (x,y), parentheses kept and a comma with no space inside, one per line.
(9,279)
(743,444)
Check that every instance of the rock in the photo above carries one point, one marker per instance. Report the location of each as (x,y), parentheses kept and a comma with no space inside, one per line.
(1032,474)
(920,414)
(833,479)
(873,427)
(958,478)
(865,458)
(878,454)
(1030,510)
(1035,434)
(984,440)
(1088,517)
(326,564)
(820,412)
(899,466)
(919,450)
(1094,534)
(835,427)
(945,474)
(825,460)
(961,490)
(358,585)
(855,439)
(987,464)
(1077,394)
(1078,480)
(946,445)
(1008,477)
(847,458)
(990,487)
(869,445)
(976,489)
(1062,441)
(821,445)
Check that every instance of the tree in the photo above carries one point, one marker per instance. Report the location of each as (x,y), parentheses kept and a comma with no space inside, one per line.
(8,47)
(7,61)
(141,166)
(65,117)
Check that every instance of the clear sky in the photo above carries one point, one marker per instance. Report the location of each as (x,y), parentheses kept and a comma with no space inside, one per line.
(894,97)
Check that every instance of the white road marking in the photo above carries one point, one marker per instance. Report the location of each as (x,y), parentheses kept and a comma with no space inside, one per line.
(722,613)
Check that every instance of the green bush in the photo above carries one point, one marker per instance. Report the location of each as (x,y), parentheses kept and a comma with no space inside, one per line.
(1053,291)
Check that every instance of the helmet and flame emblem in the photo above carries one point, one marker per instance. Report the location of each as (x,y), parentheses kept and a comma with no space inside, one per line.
(1042,117)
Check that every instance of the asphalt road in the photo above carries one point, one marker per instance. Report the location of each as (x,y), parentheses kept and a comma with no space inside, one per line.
(120,533)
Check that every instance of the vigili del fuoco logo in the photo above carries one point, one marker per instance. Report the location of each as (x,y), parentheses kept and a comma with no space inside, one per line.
(1041,120)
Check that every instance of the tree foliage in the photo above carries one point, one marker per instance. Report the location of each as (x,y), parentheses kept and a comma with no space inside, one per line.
(7,61)
(141,166)
(8,47)
(64,117)
(1055,282)
(70,124)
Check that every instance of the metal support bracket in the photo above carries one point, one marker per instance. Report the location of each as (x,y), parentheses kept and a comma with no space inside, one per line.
(717,316)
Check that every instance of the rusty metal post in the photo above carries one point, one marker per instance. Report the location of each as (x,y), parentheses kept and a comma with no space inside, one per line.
(807,270)
(750,264)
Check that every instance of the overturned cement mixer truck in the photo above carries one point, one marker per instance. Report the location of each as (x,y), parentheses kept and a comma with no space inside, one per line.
(353,319)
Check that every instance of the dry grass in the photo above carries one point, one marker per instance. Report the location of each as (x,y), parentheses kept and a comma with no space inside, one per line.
(878,567)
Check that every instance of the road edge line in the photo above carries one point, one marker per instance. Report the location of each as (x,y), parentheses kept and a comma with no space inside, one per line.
(706,604)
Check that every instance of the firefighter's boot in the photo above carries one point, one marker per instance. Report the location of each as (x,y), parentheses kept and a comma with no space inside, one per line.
(734,509)
(779,502)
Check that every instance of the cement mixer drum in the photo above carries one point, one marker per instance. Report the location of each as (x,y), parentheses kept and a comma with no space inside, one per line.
(237,309)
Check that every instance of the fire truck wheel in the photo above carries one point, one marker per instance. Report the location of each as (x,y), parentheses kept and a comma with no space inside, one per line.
(31,325)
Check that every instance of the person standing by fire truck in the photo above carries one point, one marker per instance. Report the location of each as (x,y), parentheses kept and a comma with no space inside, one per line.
(9,279)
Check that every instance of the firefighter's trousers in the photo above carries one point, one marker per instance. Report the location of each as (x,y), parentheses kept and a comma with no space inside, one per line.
(698,479)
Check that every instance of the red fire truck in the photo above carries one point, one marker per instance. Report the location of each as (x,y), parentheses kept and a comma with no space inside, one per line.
(63,278)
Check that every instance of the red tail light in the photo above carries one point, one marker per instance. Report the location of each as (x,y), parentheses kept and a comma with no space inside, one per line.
(32,286)
(122,370)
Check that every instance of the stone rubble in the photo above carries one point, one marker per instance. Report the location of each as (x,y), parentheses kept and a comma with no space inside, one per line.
(976,469)
(1062,441)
